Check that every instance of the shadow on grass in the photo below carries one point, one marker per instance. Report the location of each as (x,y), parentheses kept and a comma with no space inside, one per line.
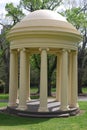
(11,120)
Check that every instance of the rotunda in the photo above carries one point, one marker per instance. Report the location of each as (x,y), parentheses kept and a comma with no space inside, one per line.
(43,32)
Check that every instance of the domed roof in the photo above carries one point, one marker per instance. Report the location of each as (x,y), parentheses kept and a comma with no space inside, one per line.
(41,27)
(44,14)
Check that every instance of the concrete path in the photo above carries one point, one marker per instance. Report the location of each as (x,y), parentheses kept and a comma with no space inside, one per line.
(82,98)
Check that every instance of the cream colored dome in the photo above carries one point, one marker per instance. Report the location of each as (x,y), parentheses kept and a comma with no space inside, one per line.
(44,14)
(44,28)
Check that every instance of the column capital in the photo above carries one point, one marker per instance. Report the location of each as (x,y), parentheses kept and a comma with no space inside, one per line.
(13,51)
(59,52)
(72,51)
(75,52)
(40,49)
(24,50)
(64,50)
(69,51)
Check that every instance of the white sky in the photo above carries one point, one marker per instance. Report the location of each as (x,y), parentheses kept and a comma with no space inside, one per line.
(2,8)
(3,3)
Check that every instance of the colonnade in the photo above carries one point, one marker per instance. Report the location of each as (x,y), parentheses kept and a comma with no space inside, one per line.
(66,79)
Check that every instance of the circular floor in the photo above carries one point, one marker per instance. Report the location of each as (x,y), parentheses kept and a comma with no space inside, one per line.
(53,107)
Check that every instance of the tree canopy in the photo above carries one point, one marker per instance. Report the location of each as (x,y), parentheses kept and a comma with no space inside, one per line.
(14,13)
(32,5)
(77,18)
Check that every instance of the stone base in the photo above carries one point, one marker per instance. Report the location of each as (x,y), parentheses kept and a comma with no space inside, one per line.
(43,109)
(23,108)
(33,107)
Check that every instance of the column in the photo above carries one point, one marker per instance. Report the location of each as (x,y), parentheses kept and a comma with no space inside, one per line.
(13,83)
(64,81)
(74,88)
(43,81)
(23,80)
(58,78)
(70,78)
(28,77)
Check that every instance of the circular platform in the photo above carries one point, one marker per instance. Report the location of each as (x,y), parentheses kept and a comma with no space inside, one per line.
(32,111)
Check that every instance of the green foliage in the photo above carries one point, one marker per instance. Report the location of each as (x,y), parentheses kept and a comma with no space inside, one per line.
(35,61)
(15,13)
(77,18)
(4,57)
(32,5)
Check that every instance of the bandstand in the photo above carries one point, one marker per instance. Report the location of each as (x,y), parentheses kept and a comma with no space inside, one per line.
(43,32)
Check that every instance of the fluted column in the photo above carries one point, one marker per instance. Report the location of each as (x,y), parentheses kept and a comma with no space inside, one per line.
(43,81)
(28,77)
(64,83)
(58,78)
(74,88)
(23,80)
(13,84)
(70,78)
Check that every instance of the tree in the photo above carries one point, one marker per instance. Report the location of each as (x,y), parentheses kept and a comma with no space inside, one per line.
(14,13)
(78,18)
(4,58)
(52,61)
(32,5)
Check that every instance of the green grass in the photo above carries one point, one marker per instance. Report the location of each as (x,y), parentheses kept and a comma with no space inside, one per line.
(3,96)
(20,123)
(84,89)
(53,89)
(34,89)
(3,104)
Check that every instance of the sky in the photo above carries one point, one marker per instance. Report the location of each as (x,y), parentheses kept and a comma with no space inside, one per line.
(2,9)
(3,3)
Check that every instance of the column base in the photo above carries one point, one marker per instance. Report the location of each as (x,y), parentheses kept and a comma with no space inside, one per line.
(43,109)
(64,108)
(17,101)
(74,105)
(23,108)
(28,99)
(58,100)
(12,104)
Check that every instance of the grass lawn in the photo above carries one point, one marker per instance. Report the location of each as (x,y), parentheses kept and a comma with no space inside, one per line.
(8,122)
(84,90)
(3,96)
(79,122)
